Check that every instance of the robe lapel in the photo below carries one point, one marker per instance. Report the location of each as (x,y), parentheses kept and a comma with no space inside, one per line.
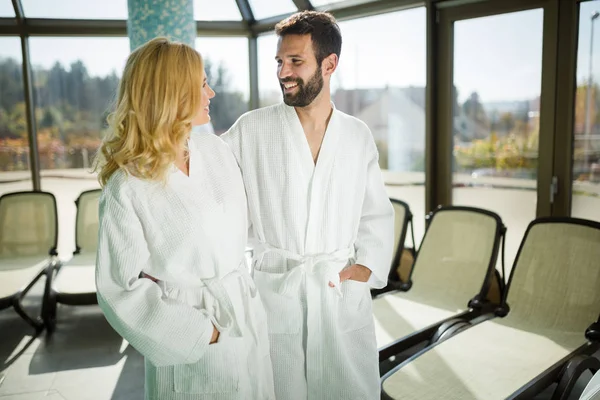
(300,148)
(320,182)
(316,176)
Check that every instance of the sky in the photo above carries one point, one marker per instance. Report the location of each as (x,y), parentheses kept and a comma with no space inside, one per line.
(499,56)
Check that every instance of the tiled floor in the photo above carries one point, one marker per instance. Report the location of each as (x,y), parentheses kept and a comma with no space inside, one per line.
(84,360)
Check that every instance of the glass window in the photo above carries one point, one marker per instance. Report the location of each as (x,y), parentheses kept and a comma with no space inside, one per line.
(75,9)
(497,81)
(210,10)
(226,61)
(15,172)
(269,91)
(269,8)
(586,133)
(6,9)
(320,3)
(381,80)
(74,90)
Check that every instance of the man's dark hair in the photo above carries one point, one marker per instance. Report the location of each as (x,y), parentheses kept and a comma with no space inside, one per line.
(322,27)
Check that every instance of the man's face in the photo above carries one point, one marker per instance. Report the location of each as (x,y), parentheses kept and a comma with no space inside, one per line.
(300,77)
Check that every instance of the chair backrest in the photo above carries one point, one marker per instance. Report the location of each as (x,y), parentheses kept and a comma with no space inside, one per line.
(28,224)
(554,285)
(402,216)
(86,222)
(457,257)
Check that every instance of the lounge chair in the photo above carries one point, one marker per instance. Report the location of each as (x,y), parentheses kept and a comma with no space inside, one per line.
(553,296)
(28,238)
(73,282)
(453,280)
(399,276)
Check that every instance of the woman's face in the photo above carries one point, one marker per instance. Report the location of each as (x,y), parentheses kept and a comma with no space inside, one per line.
(202,116)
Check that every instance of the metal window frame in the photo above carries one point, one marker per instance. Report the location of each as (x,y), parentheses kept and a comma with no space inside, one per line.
(566,88)
(558,86)
(552,153)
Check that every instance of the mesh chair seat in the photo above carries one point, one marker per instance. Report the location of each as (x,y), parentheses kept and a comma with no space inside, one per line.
(17,273)
(486,362)
(77,276)
(399,315)
(454,264)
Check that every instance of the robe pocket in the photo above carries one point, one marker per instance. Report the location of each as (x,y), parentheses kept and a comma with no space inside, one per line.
(284,312)
(218,371)
(355,306)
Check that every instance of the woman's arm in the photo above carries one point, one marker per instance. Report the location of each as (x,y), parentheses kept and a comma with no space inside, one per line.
(165,331)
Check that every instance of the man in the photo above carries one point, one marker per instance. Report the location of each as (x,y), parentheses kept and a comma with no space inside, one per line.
(321,218)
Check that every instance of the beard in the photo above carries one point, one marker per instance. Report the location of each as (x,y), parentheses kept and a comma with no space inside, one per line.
(306,92)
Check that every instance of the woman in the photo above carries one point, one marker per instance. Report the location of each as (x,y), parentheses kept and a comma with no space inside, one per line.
(170,272)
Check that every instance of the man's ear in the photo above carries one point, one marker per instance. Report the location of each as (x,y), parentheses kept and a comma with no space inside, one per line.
(329,64)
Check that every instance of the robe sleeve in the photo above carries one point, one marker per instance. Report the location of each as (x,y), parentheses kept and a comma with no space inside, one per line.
(164,331)
(374,242)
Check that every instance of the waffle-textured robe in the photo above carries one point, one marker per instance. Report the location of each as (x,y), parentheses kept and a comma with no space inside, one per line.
(309,222)
(190,234)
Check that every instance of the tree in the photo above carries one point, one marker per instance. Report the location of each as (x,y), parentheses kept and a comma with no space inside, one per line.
(506,123)
(11,83)
(455,105)
(474,110)
(55,89)
(78,92)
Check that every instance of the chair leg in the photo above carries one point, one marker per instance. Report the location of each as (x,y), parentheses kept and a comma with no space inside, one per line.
(49,303)
(575,367)
(37,322)
(50,315)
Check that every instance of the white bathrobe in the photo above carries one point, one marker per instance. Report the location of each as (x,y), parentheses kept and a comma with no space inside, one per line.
(189,233)
(309,222)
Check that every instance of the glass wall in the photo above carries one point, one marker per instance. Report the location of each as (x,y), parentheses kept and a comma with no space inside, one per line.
(227,70)
(74,90)
(586,133)
(75,9)
(262,9)
(324,3)
(15,174)
(6,9)
(269,91)
(497,81)
(381,80)
(222,10)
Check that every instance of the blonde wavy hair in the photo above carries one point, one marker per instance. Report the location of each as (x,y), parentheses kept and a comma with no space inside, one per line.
(158,97)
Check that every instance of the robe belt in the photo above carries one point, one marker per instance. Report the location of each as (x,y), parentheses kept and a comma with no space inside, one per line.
(224,313)
(323,266)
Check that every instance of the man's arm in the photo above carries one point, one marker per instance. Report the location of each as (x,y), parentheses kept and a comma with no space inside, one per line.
(374,243)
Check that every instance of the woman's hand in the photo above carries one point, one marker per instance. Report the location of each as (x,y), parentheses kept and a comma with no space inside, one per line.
(215,335)
(145,275)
